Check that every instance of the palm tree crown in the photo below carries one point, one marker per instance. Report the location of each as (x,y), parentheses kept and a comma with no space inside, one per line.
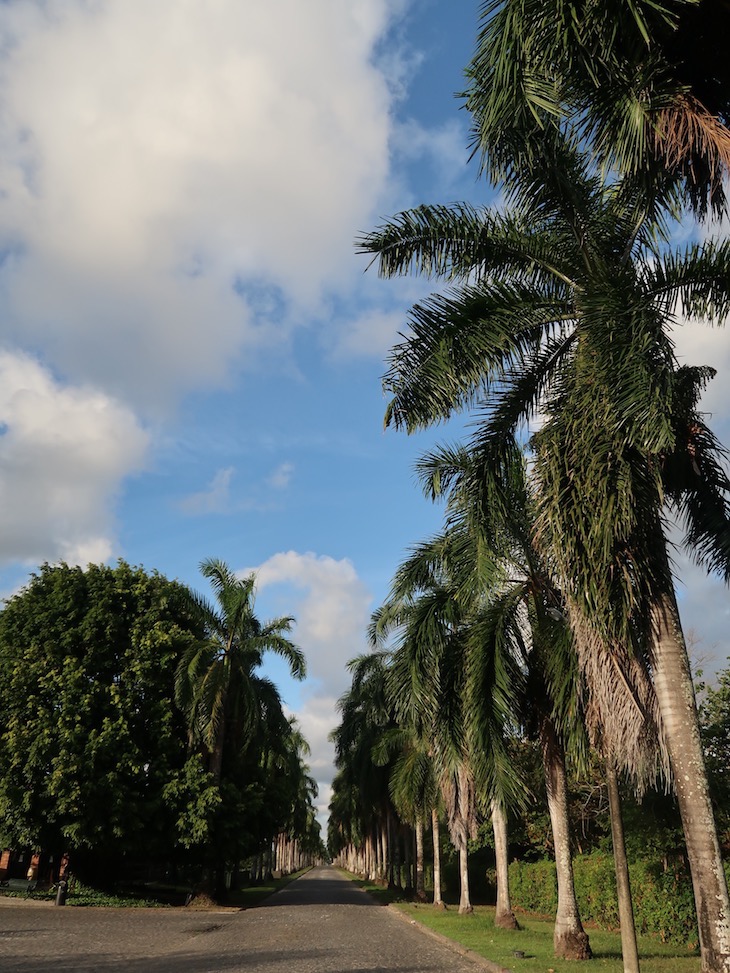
(217,681)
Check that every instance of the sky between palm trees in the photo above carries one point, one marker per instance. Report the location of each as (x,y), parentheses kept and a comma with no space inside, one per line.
(191,352)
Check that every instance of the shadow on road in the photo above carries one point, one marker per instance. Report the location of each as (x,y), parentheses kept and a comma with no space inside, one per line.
(308,959)
(316,891)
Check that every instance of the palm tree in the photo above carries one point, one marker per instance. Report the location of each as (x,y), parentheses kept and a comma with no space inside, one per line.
(217,683)
(426,682)
(296,830)
(561,305)
(488,508)
(646,84)
(362,805)
(413,788)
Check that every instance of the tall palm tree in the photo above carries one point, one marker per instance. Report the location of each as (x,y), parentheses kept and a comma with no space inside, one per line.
(363,805)
(217,682)
(426,682)
(413,788)
(489,508)
(295,790)
(646,84)
(560,306)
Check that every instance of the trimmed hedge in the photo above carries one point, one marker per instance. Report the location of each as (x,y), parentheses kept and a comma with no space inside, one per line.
(663,900)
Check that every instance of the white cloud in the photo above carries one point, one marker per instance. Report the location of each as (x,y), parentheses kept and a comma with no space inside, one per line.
(155,156)
(215,499)
(332,614)
(704,609)
(445,148)
(281,477)
(317,717)
(370,334)
(700,344)
(63,455)
(703,599)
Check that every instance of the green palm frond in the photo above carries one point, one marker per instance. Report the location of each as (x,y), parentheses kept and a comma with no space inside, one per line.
(271,639)
(412,783)
(217,684)
(695,477)
(462,243)
(461,343)
(638,83)
(696,279)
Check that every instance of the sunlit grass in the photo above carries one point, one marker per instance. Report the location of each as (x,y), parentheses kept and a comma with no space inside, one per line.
(478,933)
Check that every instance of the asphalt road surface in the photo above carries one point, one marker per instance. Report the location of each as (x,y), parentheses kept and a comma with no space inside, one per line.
(320,923)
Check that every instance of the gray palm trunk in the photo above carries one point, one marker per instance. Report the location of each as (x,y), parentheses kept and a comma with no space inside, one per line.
(420,872)
(569,939)
(438,902)
(384,850)
(395,870)
(407,858)
(629,949)
(504,917)
(465,905)
(678,709)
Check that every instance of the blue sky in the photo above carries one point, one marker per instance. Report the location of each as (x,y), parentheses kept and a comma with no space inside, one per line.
(190,348)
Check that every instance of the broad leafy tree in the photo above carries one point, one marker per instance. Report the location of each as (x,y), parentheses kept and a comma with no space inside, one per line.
(93,753)
(715,729)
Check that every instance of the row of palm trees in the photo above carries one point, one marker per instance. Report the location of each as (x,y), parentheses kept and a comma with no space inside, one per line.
(548,603)
(237,724)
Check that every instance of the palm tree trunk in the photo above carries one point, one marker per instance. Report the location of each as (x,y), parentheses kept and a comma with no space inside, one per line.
(420,874)
(387,864)
(570,940)
(396,857)
(675,695)
(465,905)
(212,868)
(408,859)
(504,917)
(629,948)
(438,902)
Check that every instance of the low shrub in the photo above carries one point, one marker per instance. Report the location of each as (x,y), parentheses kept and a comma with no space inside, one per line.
(662,896)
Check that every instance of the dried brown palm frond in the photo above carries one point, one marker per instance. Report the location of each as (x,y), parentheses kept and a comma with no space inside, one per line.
(621,710)
(459,793)
(690,139)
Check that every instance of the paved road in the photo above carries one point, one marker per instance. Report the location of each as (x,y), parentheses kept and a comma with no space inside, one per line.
(319,924)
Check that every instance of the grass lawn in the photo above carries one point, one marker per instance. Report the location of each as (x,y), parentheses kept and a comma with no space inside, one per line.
(152,895)
(478,933)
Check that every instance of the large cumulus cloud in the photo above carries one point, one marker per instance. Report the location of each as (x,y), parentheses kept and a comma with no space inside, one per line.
(63,454)
(165,165)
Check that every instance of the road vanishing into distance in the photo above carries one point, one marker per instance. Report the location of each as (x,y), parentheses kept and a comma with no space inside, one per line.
(321,923)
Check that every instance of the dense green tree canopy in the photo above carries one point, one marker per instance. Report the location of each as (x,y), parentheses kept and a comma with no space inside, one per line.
(97,757)
(92,747)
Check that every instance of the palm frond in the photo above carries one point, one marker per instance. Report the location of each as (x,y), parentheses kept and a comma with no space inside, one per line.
(462,343)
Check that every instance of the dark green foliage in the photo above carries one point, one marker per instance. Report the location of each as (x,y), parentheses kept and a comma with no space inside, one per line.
(715,729)
(663,901)
(92,747)
(96,756)
(533,887)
